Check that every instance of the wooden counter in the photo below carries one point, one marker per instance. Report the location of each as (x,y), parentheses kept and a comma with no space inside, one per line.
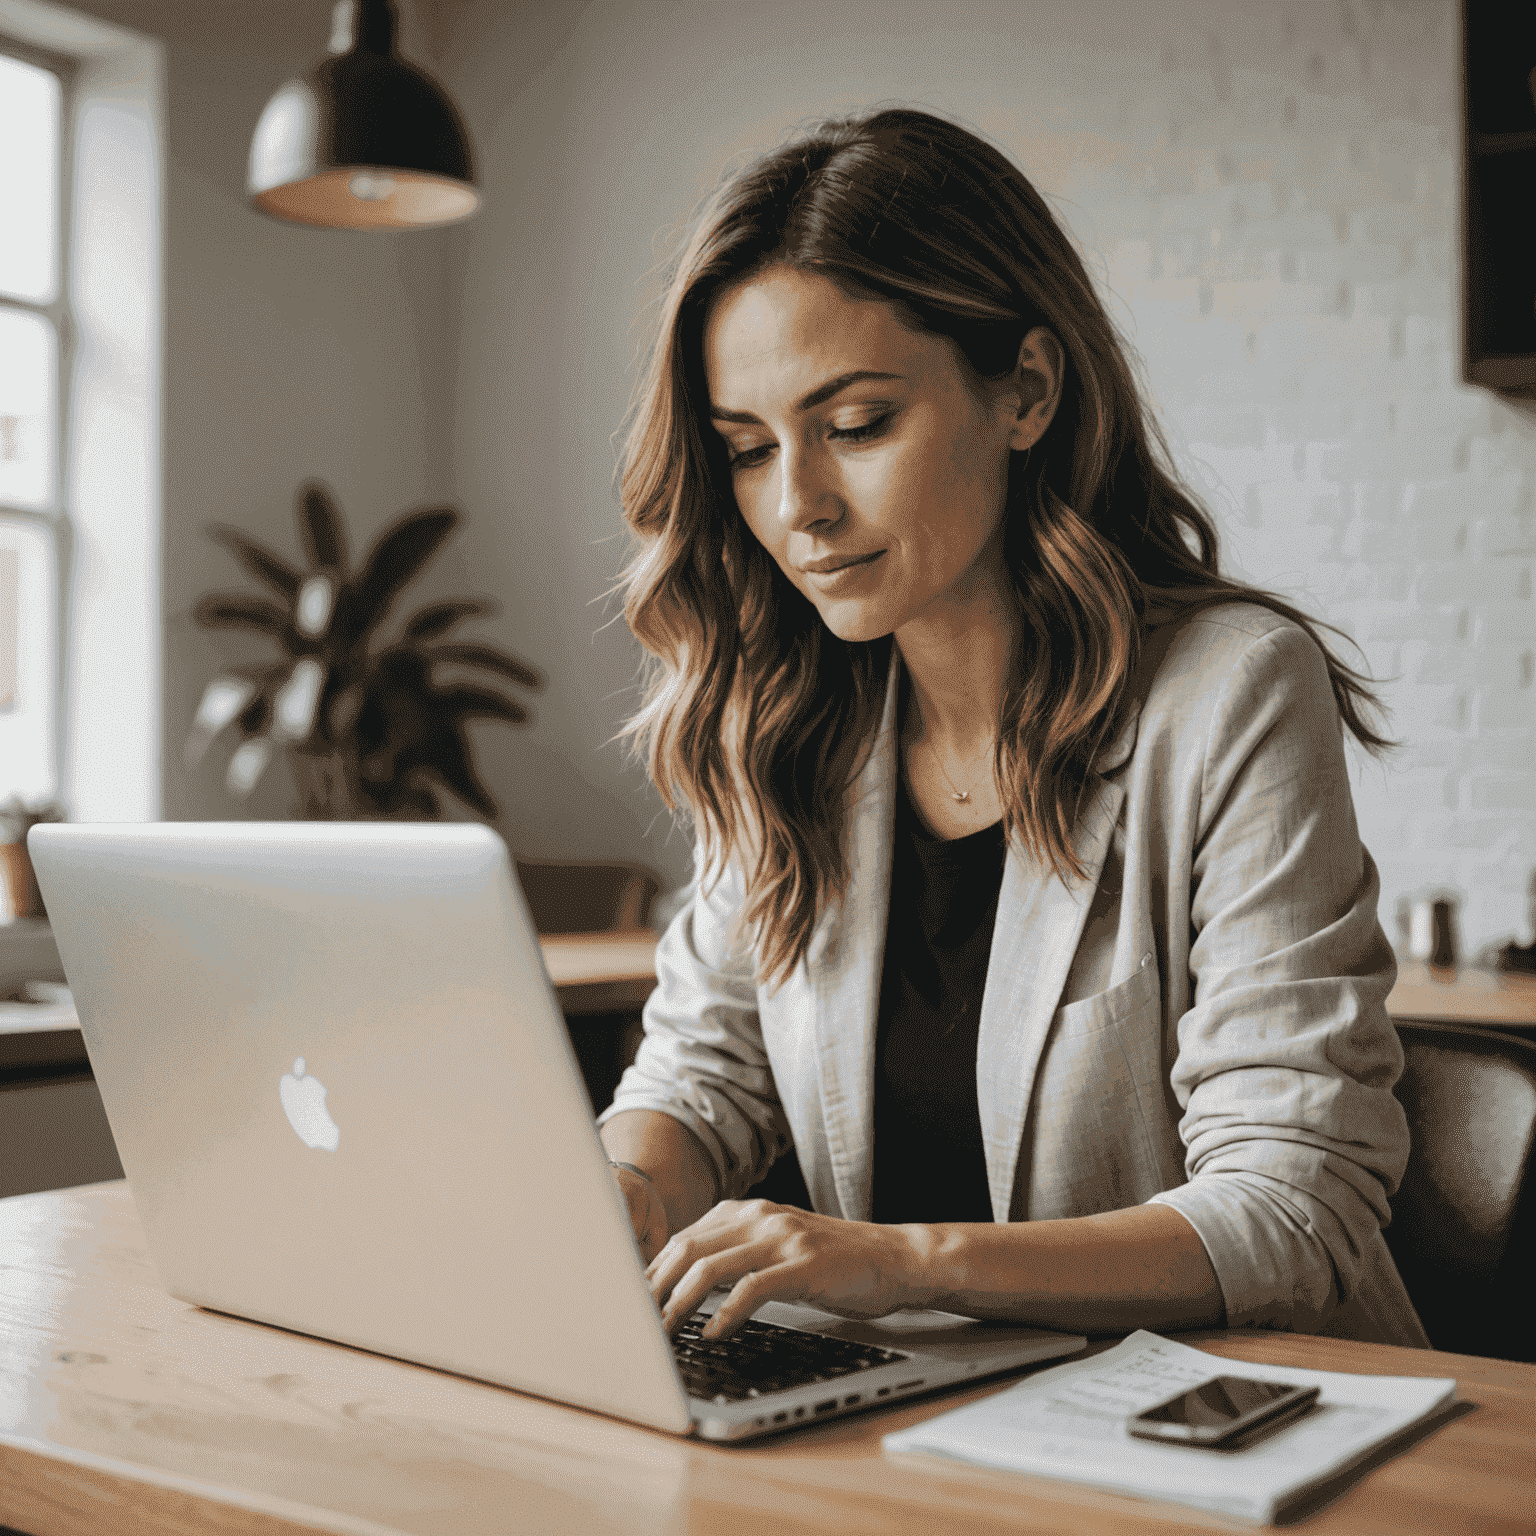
(124,1411)
(1490,998)
(607,972)
(601,972)
(614,972)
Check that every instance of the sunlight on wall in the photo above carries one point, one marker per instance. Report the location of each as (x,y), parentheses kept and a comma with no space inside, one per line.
(114,667)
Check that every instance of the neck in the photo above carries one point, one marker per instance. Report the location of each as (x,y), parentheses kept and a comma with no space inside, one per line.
(957,663)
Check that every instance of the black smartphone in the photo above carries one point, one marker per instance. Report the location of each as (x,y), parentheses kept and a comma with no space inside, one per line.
(1221,1410)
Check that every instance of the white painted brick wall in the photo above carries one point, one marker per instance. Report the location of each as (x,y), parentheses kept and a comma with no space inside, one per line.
(1279,230)
(1269,190)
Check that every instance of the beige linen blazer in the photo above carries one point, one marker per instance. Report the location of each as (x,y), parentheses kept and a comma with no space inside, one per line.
(1198,1021)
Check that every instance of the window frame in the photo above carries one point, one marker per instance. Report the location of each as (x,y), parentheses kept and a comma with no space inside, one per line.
(53,517)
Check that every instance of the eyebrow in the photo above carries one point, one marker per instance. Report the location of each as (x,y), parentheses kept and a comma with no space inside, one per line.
(818,396)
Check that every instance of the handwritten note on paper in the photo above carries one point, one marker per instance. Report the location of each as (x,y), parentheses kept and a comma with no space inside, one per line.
(1069,1422)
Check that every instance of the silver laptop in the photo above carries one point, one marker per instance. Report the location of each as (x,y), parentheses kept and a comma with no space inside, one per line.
(346,1103)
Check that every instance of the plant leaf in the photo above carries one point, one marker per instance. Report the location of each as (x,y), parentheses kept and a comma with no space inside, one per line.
(236,610)
(321,529)
(256,715)
(261,672)
(294,705)
(247,765)
(399,712)
(342,712)
(448,756)
(469,655)
(317,602)
(465,701)
(419,797)
(256,559)
(439,618)
(401,551)
(223,701)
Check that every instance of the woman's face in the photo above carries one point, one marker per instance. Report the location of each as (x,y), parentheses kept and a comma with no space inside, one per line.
(867,458)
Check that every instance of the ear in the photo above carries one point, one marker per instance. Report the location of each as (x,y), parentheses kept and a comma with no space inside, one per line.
(1037,377)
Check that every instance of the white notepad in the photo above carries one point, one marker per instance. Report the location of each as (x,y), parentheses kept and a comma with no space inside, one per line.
(1069,1422)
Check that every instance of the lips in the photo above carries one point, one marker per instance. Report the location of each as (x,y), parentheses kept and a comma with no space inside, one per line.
(829,565)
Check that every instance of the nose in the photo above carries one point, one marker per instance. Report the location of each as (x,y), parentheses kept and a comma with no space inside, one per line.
(806,498)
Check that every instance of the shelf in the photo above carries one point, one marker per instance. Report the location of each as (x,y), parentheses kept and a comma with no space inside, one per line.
(1499,197)
(1517,372)
(1503,143)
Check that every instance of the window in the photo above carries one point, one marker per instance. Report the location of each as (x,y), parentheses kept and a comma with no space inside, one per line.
(35,350)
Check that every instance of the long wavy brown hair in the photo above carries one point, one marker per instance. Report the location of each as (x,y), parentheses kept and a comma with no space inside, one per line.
(755,716)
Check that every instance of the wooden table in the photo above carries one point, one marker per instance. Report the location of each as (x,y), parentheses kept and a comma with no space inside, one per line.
(600,972)
(606,972)
(1493,999)
(612,972)
(122,1410)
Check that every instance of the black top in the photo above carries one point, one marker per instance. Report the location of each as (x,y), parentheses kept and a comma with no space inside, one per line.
(929,1164)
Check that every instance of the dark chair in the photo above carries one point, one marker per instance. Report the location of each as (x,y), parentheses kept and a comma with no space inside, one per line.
(587,897)
(1463,1228)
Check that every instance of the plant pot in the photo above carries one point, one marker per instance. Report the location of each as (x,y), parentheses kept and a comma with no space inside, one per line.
(21,881)
(327,786)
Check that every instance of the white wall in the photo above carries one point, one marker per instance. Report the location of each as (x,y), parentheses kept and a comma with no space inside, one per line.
(1269,192)
(288,353)
(545,294)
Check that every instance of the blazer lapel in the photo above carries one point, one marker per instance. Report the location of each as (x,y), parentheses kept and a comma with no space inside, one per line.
(1039,922)
(843,964)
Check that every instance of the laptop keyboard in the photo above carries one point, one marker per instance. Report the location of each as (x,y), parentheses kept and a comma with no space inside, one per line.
(760,1358)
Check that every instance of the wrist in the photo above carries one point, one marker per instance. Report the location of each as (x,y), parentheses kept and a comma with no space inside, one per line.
(938,1263)
(929,1262)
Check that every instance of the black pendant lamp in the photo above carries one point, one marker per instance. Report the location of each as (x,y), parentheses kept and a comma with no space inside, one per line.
(365,140)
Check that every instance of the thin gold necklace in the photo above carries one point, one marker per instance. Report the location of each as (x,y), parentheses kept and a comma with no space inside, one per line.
(959,796)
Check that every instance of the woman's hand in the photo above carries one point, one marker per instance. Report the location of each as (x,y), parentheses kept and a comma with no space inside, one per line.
(768,1252)
(647,1214)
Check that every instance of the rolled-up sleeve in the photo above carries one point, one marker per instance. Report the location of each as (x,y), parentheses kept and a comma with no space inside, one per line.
(702,1059)
(1287,1057)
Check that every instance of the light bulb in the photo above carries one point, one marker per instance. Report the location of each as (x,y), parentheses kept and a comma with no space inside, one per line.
(371,189)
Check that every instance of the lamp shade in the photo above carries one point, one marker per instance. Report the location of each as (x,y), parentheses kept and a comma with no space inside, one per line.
(366,140)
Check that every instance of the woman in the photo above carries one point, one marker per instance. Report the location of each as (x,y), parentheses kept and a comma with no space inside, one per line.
(1031,906)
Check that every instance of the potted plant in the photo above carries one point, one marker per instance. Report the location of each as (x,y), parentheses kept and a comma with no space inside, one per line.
(373,728)
(17,818)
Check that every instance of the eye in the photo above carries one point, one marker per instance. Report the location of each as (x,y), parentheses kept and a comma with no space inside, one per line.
(865,432)
(748,458)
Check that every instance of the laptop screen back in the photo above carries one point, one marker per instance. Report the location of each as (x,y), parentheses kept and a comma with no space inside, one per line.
(345,1099)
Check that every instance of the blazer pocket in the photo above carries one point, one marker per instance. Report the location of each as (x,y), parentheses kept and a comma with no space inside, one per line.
(1103,1141)
(1089,1015)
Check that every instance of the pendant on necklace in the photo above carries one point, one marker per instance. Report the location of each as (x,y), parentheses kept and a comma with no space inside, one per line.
(960,796)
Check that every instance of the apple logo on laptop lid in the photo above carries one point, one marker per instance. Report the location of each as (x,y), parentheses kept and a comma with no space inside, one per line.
(304,1103)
